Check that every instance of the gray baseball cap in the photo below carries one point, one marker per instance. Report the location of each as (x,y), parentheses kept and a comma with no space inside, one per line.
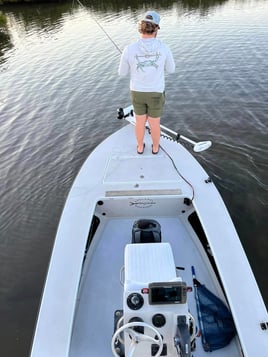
(152,16)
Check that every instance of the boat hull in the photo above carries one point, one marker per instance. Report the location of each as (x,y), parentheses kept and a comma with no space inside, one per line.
(115,187)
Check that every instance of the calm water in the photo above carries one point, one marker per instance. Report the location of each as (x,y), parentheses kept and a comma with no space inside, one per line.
(59,92)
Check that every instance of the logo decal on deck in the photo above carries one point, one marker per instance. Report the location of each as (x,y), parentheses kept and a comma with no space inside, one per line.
(142,203)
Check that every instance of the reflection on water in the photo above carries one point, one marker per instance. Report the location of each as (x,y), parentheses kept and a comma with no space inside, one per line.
(48,17)
(5,43)
(59,91)
(107,6)
(32,18)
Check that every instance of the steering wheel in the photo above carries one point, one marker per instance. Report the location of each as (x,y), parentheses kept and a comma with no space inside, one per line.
(137,337)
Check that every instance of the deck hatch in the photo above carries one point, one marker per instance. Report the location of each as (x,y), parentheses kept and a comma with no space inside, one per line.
(134,169)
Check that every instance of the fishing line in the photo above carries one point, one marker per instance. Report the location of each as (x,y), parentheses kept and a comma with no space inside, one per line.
(101,27)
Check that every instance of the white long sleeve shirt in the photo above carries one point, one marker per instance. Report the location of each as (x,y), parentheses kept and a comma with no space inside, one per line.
(146,61)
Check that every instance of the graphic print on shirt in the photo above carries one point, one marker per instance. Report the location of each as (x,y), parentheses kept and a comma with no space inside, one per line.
(147,61)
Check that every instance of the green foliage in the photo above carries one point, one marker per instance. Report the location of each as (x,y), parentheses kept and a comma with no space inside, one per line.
(3,19)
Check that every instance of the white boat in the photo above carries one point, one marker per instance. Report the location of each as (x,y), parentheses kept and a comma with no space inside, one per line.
(134,231)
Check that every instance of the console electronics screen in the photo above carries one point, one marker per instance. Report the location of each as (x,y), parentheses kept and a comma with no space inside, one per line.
(167,293)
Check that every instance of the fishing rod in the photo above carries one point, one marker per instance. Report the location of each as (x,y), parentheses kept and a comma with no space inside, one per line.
(128,112)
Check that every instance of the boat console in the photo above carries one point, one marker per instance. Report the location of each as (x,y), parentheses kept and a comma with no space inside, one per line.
(155,320)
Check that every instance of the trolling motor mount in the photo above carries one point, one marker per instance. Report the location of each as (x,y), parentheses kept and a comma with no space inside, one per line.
(121,113)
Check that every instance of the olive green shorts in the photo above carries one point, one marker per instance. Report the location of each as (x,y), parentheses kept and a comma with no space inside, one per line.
(150,103)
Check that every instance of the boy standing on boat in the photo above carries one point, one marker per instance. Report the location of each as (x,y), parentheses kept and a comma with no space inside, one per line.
(146,61)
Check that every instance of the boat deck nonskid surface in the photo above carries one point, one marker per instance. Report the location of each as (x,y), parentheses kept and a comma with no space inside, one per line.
(101,292)
(130,168)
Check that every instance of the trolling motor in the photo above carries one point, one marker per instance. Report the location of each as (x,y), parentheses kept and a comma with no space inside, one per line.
(121,113)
